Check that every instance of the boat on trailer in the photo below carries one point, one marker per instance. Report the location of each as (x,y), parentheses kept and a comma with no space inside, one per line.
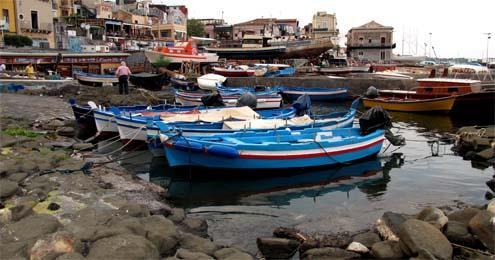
(279,149)
(91,79)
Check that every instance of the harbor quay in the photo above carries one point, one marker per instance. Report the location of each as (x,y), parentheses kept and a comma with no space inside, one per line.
(140,129)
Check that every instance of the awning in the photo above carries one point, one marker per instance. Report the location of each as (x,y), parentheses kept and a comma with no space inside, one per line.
(182,31)
(113,22)
(137,25)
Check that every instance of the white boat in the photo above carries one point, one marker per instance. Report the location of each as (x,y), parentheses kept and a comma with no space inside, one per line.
(210,81)
(391,75)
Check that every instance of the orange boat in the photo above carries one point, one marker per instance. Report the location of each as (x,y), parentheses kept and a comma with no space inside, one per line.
(182,52)
(444,104)
(468,94)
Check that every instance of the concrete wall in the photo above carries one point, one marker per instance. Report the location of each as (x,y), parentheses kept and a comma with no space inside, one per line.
(357,86)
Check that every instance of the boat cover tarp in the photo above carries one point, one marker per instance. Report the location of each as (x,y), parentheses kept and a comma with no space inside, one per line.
(214,115)
(267,123)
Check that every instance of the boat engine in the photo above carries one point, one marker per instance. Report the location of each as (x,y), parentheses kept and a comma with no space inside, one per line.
(378,118)
(247,99)
(302,105)
(371,92)
(212,100)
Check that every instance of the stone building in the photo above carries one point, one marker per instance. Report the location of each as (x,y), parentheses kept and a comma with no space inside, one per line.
(324,25)
(35,20)
(371,42)
(272,27)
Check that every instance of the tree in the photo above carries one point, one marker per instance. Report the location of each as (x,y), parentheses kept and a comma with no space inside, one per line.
(195,28)
(17,40)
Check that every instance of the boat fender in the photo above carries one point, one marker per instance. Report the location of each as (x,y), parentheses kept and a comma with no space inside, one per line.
(223,151)
(371,92)
(187,146)
(92,105)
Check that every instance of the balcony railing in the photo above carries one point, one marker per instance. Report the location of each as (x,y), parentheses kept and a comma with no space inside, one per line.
(41,27)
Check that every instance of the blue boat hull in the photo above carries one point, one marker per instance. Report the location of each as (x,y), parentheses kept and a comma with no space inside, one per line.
(261,159)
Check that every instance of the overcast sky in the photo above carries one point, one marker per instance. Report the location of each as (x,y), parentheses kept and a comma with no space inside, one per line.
(456,26)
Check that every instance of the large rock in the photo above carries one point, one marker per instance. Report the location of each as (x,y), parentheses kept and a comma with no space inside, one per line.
(197,244)
(29,228)
(367,239)
(416,235)
(13,250)
(71,256)
(135,210)
(162,233)
(230,253)
(387,249)
(7,188)
(482,225)
(328,253)
(18,176)
(458,232)
(388,225)
(196,226)
(66,131)
(125,246)
(53,245)
(463,215)
(177,215)
(491,206)
(357,248)
(186,254)
(280,248)
(434,216)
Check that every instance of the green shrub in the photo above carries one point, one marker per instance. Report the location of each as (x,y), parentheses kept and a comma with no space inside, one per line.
(17,40)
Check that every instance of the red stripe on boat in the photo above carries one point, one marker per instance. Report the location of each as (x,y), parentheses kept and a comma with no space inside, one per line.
(303,156)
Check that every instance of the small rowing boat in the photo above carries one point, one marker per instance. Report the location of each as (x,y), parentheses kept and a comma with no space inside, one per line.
(91,79)
(316,94)
(280,149)
(443,104)
(132,126)
(266,99)
(234,71)
(149,81)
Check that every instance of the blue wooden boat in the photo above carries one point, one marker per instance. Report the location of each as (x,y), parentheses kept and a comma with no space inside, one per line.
(91,79)
(185,85)
(286,72)
(132,126)
(316,94)
(280,149)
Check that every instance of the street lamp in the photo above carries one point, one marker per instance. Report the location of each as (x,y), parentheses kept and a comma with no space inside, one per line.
(488,37)
(429,50)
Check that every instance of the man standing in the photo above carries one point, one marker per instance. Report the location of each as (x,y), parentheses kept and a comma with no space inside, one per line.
(123,72)
(30,71)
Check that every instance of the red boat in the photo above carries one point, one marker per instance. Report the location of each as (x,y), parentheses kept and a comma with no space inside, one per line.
(470,97)
(181,52)
(237,71)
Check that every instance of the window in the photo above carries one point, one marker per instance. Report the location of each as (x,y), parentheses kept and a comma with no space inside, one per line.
(34,20)
(383,40)
(382,55)
(369,40)
(361,39)
(5,13)
(360,53)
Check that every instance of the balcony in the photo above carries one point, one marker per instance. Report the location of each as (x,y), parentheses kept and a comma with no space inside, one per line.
(44,28)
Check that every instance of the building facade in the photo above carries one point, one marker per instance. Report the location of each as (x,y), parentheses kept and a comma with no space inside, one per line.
(285,28)
(35,20)
(324,25)
(8,19)
(209,26)
(169,22)
(371,42)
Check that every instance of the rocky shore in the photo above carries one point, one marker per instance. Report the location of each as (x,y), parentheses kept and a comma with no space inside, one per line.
(60,200)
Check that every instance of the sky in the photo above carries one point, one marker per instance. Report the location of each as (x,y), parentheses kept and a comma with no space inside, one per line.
(457,27)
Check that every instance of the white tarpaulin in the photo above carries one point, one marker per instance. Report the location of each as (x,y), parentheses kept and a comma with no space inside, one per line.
(214,115)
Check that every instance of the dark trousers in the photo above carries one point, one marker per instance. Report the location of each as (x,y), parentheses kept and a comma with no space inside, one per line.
(123,85)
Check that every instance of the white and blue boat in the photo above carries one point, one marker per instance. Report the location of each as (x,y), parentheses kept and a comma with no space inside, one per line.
(280,149)
(133,126)
(315,94)
(104,118)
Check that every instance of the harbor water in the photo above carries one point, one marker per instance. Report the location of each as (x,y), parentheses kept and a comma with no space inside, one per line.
(344,198)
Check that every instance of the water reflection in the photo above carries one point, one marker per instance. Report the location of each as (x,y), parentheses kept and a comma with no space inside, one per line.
(369,176)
